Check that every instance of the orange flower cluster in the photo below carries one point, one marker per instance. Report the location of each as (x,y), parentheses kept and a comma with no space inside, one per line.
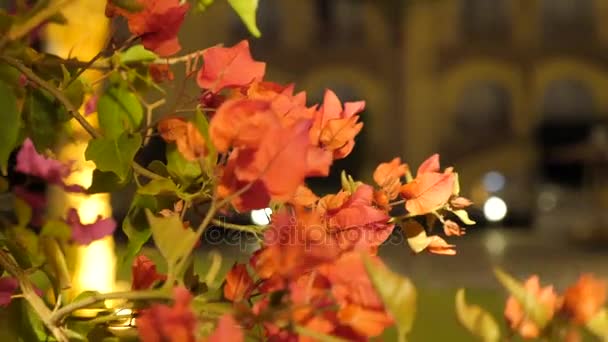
(579,304)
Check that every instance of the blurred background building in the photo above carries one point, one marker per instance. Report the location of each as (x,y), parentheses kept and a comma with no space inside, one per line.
(509,91)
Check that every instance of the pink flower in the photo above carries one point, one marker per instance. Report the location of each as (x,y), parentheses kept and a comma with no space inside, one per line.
(30,162)
(8,286)
(84,234)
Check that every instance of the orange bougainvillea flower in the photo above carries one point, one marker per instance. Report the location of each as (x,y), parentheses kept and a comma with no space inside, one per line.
(160,73)
(516,315)
(189,140)
(174,323)
(157,23)
(144,273)
(388,177)
(227,330)
(238,283)
(583,300)
(430,190)
(334,127)
(241,123)
(361,309)
(229,67)
(304,197)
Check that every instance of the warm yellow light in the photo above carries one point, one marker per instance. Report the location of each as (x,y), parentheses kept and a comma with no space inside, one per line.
(83,37)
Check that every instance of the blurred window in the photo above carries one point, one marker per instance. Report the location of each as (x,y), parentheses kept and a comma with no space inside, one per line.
(564,99)
(481,118)
(485,19)
(564,131)
(340,21)
(567,18)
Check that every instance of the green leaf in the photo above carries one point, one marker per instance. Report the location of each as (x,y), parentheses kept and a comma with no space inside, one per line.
(476,320)
(128,5)
(456,190)
(114,155)
(44,119)
(86,294)
(246,9)
(6,21)
(598,324)
(119,110)
(179,167)
(171,238)
(398,294)
(201,122)
(9,131)
(158,186)
(107,182)
(56,228)
(137,53)
(202,5)
(159,168)
(75,93)
(535,310)
(23,212)
(416,236)
(463,216)
(136,226)
(56,260)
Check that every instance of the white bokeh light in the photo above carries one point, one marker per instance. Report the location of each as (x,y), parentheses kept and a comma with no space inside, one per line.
(261,217)
(495,209)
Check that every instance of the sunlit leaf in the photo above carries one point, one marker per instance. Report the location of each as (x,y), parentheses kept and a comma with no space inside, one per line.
(598,325)
(128,5)
(114,155)
(56,228)
(119,110)
(476,320)
(11,118)
(416,236)
(164,232)
(86,294)
(56,260)
(246,9)
(463,216)
(185,171)
(137,53)
(537,312)
(158,186)
(397,292)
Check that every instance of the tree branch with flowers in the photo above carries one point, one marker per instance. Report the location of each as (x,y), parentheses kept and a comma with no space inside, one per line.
(247,143)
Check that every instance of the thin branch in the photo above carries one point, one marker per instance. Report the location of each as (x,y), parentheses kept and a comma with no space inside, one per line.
(27,289)
(180,59)
(53,91)
(32,23)
(137,168)
(60,314)
(249,228)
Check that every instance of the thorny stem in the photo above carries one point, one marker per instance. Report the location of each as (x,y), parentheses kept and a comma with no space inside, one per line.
(180,59)
(27,289)
(60,314)
(70,107)
(27,72)
(250,228)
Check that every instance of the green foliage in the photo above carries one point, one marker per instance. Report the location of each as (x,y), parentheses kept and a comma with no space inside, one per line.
(137,53)
(107,182)
(128,5)
(397,292)
(136,226)
(114,154)
(476,320)
(164,230)
(246,9)
(158,186)
(9,133)
(535,310)
(183,170)
(119,110)
(44,119)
